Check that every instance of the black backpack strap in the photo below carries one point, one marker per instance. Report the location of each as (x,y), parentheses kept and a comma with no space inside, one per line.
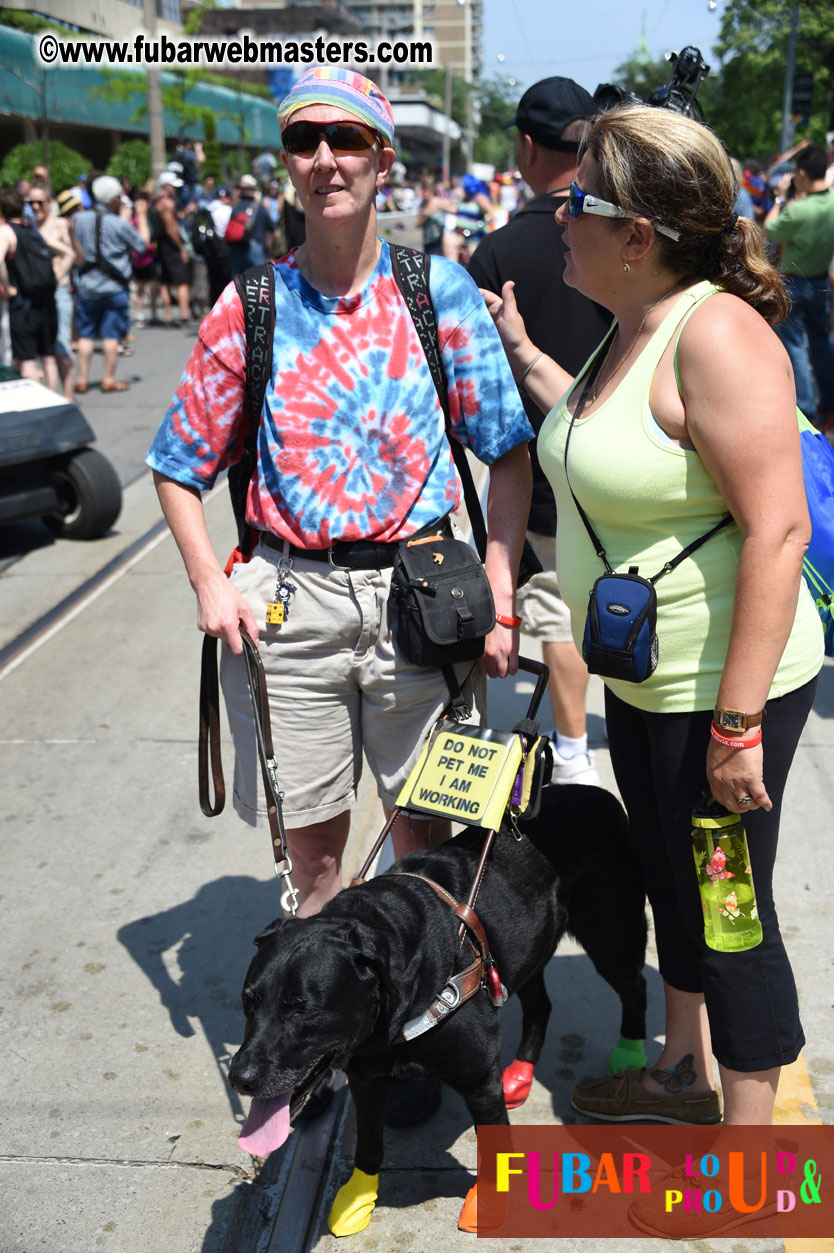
(411,274)
(256,290)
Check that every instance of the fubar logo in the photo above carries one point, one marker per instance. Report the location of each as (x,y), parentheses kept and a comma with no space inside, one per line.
(670,1182)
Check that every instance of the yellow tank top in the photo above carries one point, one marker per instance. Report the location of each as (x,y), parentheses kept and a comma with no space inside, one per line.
(647,498)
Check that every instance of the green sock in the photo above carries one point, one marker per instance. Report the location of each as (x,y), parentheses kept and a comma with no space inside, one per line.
(627,1055)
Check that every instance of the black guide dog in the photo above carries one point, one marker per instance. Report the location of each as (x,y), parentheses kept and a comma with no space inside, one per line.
(336,990)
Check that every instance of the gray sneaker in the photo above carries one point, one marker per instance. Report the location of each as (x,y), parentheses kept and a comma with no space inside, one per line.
(578,769)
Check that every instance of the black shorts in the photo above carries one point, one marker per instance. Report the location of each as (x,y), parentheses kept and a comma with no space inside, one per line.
(173,271)
(145,273)
(33,329)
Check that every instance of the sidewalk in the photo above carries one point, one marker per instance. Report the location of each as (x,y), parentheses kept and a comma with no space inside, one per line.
(127,926)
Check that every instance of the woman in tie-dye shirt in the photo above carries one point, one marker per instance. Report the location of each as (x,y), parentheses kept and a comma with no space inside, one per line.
(351,448)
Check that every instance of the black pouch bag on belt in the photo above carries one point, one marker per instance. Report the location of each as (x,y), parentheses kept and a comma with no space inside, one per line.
(442,599)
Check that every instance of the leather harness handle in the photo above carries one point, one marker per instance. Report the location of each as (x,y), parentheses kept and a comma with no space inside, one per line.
(469,919)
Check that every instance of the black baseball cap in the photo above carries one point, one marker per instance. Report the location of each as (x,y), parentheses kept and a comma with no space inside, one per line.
(547,107)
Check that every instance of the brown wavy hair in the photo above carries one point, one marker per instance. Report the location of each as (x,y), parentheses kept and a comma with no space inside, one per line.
(656,163)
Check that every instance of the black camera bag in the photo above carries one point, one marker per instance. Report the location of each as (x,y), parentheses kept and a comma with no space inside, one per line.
(442,600)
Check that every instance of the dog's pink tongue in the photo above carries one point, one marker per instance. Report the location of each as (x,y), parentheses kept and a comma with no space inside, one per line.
(267,1125)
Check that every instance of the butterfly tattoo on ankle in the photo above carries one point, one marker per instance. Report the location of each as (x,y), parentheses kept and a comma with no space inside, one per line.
(681,1076)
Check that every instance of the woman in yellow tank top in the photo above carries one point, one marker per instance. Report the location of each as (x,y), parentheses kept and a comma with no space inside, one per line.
(656,461)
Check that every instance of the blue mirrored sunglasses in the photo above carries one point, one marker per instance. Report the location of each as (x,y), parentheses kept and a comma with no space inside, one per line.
(580,201)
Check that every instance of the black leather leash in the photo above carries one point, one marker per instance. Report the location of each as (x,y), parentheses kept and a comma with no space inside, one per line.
(209,752)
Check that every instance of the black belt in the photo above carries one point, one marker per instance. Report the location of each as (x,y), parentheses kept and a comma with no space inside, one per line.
(361,554)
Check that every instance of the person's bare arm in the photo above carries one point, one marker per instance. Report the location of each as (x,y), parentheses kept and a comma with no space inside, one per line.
(172,228)
(508,507)
(57,236)
(142,220)
(7,245)
(740,401)
(546,381)
(221,610)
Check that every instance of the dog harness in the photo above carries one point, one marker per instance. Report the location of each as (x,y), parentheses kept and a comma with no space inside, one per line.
(463,985)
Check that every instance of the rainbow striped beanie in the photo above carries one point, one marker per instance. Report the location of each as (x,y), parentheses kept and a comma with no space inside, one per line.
(341,89)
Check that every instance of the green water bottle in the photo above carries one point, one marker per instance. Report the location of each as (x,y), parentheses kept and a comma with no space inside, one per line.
(725,880)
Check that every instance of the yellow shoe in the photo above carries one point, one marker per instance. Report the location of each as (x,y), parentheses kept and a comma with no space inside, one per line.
(353,1204)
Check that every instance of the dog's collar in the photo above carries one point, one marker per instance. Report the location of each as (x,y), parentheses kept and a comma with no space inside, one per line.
(462,986)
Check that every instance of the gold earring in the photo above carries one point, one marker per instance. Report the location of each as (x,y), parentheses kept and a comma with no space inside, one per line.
(626,267)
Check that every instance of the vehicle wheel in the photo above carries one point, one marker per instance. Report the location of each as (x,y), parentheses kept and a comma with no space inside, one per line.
(89,496)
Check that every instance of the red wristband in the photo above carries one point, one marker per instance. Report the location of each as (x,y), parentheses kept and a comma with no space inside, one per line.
(728,743)
(506,621)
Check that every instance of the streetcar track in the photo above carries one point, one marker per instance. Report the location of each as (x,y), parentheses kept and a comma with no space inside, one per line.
(48,624)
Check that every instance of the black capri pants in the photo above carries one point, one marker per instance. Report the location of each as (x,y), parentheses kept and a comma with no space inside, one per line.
(659,762)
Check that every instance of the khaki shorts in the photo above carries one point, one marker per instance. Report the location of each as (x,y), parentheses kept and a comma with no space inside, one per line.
(338,686)
(539,602)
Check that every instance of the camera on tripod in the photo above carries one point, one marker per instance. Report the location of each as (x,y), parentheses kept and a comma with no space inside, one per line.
(688,72)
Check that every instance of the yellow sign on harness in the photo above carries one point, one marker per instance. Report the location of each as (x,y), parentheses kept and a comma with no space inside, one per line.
(464,773)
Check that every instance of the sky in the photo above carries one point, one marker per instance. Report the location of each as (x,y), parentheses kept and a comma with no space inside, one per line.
(586,39)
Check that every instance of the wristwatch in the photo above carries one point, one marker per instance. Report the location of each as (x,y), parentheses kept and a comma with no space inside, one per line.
(732,720)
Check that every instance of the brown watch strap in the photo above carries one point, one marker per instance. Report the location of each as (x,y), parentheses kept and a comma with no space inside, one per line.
(738,721)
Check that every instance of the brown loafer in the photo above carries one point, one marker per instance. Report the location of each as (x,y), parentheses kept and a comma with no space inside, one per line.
(115,386)
(622,1098)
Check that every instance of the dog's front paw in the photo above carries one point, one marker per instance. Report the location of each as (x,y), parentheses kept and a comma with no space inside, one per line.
(354,1204)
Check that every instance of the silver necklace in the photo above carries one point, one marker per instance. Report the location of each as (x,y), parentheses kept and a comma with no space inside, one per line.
(598,384)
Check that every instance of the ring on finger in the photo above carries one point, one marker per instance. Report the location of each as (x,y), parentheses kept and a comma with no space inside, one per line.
(744,800)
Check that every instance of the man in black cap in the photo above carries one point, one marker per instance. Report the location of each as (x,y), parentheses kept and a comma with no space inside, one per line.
(550,121)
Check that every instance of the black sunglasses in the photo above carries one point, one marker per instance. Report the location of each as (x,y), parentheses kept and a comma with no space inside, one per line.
(301,139)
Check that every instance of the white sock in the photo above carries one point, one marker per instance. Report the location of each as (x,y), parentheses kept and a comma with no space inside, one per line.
(567,748)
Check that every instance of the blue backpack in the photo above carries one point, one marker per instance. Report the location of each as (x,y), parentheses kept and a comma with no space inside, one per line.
(818,566)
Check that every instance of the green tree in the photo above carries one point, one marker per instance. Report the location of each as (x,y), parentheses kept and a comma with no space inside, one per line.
(212,166)
(641,75)
(753,45)
(132,161)
(119,86)
(433,85)
(495,146)
(65,164)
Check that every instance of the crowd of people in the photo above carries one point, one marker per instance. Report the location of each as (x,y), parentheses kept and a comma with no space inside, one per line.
(123,257)
(202,233)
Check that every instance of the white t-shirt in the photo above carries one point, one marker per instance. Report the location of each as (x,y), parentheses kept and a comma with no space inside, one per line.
(220,214)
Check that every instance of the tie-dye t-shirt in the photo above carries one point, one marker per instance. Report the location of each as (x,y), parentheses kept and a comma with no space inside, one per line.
(352,442)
